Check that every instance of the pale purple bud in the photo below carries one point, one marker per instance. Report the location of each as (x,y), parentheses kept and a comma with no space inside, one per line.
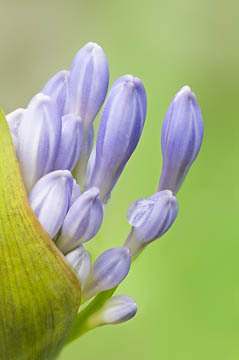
(80,261)
(56,88)
(88,83)
(76,192)
(181,139)
(71,143)
(14,119)
(39,136)
(50,199)
(108,271)
(82,221)
(116,310)
(150,219)
(120,129)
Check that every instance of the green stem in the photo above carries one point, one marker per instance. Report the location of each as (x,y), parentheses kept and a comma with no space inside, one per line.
(80,326)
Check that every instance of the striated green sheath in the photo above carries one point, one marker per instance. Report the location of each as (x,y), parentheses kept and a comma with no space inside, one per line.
(39,292)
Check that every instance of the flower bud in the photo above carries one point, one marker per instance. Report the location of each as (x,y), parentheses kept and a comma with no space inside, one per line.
(80,260)
(108,271)
(181,139)
(116,310)
(120,128)
(71,142)
(88,83)
(39,137)
(82,221)
(76,192)
(56,88)
(14,120)
(50,199)
(150,219)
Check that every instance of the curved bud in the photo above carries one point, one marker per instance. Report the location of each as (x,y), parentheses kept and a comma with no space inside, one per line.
(56,88)
(88,83)
(181,139)
(116,310)
(71,143)
(76,192)
(120,128)
(108,271)
(39,137)
(82,221)
(80,261)
(50,199)
(150,219)
(39,292)
(14,120)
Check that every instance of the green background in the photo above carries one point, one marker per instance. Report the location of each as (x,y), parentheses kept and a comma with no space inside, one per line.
(186,284)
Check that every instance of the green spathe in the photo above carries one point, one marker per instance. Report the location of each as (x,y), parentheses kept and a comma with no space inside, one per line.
(39,293)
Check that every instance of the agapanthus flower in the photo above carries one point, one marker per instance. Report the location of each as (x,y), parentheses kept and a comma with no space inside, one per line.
(69,181)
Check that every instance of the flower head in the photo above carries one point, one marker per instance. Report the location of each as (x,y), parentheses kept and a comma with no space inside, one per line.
(67,182)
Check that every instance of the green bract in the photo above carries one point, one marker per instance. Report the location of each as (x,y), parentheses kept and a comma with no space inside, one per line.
(39,292)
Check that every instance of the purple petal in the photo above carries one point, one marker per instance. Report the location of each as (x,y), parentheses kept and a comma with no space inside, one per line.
(108,271)
(56,88)
(39,136)
(88,83)
(181,139)
(71,143)
(50,199)
(80,261)
(150,219)
(117,309)
(82,222)
(119,132)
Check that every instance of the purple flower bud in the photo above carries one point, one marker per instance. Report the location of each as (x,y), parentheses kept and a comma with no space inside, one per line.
(82,222)
(50,199)
(117,309)
(80,260)
(120,128)
(71,143)
(76,192)
(150,219)
(39,136)
(56,88)
(108,271)
(14,119)
(88,83)
(181,139)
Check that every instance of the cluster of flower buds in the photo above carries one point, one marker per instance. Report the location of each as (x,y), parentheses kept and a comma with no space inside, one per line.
(68,181)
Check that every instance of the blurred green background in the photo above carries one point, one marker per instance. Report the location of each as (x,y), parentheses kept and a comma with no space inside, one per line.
(187,284)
